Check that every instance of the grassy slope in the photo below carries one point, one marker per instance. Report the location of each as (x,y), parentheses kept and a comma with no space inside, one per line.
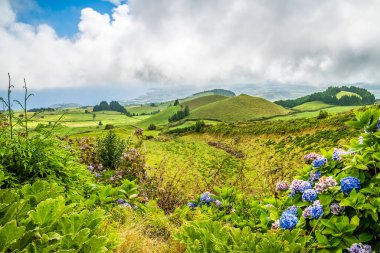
(203,100)
(240,108)
(314,105)
(331,110)
(160,118)
(346,93)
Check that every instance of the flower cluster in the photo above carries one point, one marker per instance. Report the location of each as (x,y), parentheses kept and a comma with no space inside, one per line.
(292,210)
(325,183)
(310,157)
(288,220)
(360,248)
(314,176)
(299,186)
(96,170)
(282,185)
(123,203)
(313,212)
(337,153)
(206,198)
(192,205)
(309,195)
(319,162)
(336,209)
(349,183)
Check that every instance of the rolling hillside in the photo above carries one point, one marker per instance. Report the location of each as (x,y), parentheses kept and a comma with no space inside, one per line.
(159,118)
(240,108)
(314,105)
(340,94)
(201,101)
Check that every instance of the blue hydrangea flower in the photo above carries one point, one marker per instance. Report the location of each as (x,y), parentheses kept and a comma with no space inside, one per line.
(309,195)
(292,210)
(360,248)
(349,183)
(192,205)
(206,198)
(120,201)
(314,176)
(337,153)
(288,221)
(319,162)
(313,212)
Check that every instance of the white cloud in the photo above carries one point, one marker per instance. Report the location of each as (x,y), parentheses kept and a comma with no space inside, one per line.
(179,42)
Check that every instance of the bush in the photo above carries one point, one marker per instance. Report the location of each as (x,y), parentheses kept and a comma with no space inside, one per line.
(109,126)
(322,114)
(199,126)
(152,127)
(110,149)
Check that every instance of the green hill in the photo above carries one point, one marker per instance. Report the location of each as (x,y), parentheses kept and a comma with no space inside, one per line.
(240,108)
(334,96)
(220,92)
(160,118)
(204,100)
(314,105)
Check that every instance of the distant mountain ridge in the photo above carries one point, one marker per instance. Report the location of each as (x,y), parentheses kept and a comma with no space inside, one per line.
(343,95)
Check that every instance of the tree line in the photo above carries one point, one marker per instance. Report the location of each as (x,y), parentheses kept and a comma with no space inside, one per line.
(329,97)
(112,106)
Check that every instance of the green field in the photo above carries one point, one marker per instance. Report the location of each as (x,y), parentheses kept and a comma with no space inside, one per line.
(203,100)
(310,106)
(240,108)
(346,93)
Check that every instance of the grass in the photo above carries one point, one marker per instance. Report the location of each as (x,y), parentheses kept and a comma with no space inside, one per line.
(331,110)
(314,105)
(160,118)
(240,108)
(346,93)
(138,109)
(203,100)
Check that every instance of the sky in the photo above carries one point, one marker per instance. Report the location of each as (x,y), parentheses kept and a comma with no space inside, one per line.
(137,46)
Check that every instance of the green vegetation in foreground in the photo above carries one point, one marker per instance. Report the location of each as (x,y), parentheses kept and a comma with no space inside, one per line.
(340,94)
(240,108)
(312,106)
(204,100)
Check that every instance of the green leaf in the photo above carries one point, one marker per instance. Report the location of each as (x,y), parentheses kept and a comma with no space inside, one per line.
(9,234)
(48,212)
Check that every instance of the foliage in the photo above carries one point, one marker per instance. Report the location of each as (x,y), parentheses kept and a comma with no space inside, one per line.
(322,114)
(113,106)
(180,114)
(329,96)
(110,149)
(152,127)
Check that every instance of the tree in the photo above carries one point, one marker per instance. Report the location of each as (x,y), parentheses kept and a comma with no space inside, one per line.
(176,102)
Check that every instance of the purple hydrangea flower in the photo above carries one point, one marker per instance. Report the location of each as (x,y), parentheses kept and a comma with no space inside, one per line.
(310,157)
(206,198)
(314,176)
(282,185)
(288,221)
(120,201)
(319,162)
(336,209)
(349,183)
(360,248)
(217,203)
(325,183)
(309,195)
(292,210)
(299,186)
(337,154)
(90,168)
(192,205)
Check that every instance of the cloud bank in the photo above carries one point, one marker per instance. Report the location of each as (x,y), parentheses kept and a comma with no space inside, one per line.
(201,43)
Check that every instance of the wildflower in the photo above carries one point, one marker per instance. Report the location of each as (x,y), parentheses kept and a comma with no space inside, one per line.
(299,186)
(276,225)
(90,168)
(310,157)
(192,205)
(336,209)
(309,195)
(292,210)
(319,162)
(360,140)
(282,185)
(120,201)
(206,198)
(313,212)
(288,221)
(349,183)
(325,183)
(360,248)
(314,176)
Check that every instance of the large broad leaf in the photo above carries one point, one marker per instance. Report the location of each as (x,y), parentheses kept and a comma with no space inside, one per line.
(9,234)
(48,212)
(95,244)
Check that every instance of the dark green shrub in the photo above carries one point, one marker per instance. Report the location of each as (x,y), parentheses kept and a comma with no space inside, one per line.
(322,114)
(109,149)
(199,126)
(152,127)
(109,126)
